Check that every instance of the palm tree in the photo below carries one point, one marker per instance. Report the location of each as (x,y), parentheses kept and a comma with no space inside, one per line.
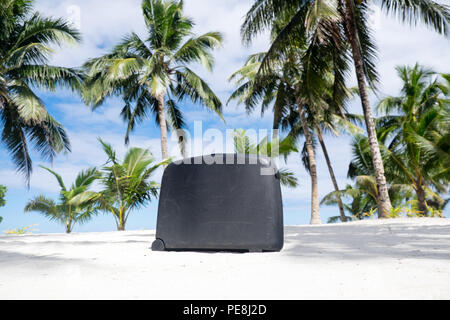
(2,197)
(75,204)
(152,74)
(416,132)
(127,185)
(267,89)
(328,122)
(274,86)
(364,193)
(363,198)
(26,38)
(344,23)
(287,84)
(274,148)
(310,57)
(331,118)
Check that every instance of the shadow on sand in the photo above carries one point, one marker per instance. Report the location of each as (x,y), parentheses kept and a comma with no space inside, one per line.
(397,241)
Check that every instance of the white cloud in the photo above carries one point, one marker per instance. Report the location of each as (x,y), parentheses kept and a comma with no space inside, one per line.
(401,44)
(103,23)
(226,17)
(80,114)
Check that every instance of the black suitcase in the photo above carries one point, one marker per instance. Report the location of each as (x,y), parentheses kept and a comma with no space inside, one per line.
(233,204)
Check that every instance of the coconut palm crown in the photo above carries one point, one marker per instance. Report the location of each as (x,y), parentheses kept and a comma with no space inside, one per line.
(126,184)
(26,38)
(75,203)
(151,74)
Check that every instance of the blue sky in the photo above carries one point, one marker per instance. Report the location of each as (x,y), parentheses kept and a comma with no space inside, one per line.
(103,23)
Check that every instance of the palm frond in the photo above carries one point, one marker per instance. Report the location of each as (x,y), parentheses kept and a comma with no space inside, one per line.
(86,177)
(108,149)
(45,206)
(431,13)
(57,176)
(192,86)
(288,178)
(198,49)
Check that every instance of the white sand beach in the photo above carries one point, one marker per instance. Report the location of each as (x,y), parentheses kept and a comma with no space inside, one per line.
(392,259)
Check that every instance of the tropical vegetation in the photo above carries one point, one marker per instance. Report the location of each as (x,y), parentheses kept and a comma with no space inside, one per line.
(2,197)
(343,25)
(26,41)
(152,74)
(400,149)
(306,96)
(414,138)
(416,133)
(75,204)
(21,230)
(271,149)
(126,185)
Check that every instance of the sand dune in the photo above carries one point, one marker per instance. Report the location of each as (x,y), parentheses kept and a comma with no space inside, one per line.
(404,258)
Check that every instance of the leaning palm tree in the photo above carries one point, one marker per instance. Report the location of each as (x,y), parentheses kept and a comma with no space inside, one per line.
(362,196)
(330,121)
(406,179)
(26,38)
(344,24)
(295,79)
(152,74)
(284,84)
(127,185)
(75,204)
(416,133)
(290,92)
(364,193)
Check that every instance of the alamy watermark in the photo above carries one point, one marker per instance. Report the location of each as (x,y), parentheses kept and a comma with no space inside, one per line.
(230,146)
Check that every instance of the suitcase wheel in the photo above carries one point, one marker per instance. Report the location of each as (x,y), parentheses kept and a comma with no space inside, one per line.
(158,245)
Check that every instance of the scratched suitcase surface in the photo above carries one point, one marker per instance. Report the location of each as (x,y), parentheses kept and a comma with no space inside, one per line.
(232,204)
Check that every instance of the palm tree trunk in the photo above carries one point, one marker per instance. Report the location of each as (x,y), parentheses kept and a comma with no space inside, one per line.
(383,201)
(276,122)
(333,177)
(69,226)
(422,201)
(121,225)
(315,211)
(69,221)
(163,127)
